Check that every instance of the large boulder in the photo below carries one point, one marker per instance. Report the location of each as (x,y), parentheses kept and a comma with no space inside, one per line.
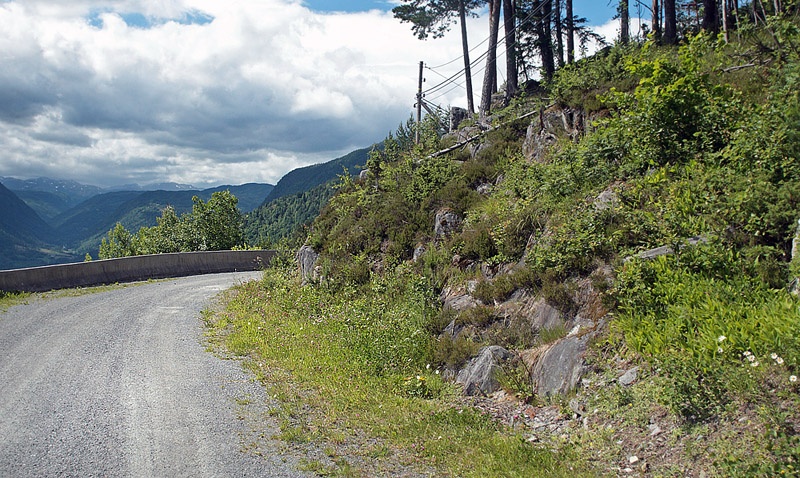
(446,223)
(794,285)
(479,377)
(457,115)
(560,367)
(457,299)
(306,263)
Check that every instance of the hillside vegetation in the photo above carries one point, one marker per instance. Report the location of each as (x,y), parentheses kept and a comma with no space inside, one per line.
(690,358)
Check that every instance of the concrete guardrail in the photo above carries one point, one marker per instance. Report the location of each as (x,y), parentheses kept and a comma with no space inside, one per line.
(129,269)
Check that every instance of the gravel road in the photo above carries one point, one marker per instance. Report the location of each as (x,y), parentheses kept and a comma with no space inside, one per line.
(118,383)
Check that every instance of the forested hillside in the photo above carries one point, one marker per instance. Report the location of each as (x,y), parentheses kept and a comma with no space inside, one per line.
(598,278)
(305,178)
(25,239)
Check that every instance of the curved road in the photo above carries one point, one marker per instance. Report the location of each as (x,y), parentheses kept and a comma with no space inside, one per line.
(118,383)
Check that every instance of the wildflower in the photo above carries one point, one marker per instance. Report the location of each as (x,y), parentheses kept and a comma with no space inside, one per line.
(779,361)
(719,350)
(774,356)
(754,364)
(721,338)
(793,378)
(746,353)
(751,358)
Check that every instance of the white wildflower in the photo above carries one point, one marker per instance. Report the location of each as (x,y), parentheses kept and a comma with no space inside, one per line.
(754,364)
(774,356)
(721,338)
(719,350)
(751,358)
(779,361)
(793,378)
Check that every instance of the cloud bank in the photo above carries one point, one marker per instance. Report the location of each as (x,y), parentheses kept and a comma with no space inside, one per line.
(200,91)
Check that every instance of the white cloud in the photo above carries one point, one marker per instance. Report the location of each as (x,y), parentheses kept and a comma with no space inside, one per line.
(261,89)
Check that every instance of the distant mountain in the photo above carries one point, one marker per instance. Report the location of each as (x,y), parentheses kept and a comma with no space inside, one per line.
(83,226)
(250,195)
(154,187)
(303,179)
(298,198)
(281,217)
(59,186)
(46,204)
(25,239)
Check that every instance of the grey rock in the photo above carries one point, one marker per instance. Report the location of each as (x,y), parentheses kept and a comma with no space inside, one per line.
(666,250)
(306,262)
(457,299)
(794,285)
(560,367)
(479,377)
(654,429)
(543,316)
(446,223)
(457,115)
(629,377)
(576,406)
(484,188)
(418,251)
(606,200)
(453,329)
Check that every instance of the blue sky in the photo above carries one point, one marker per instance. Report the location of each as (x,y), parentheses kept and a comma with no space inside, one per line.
(597,12)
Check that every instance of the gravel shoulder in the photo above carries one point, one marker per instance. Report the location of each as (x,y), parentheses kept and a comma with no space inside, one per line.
(119,383)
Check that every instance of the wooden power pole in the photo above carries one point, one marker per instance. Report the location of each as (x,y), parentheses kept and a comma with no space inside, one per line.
(419,103)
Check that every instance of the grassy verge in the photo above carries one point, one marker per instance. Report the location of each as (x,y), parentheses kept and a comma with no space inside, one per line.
(349,370)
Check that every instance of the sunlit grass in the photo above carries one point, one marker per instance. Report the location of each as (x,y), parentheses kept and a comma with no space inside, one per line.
(351,367)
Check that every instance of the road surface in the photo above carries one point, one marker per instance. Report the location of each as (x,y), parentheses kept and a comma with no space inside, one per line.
(118,383)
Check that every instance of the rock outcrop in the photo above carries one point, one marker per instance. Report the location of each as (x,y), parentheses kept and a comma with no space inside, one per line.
(307,262)
(480,375)
(446,223)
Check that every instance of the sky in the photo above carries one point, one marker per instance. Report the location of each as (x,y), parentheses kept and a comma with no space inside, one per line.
(203,92)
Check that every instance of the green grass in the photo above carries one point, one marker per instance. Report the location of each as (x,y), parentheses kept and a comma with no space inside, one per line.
(316,352)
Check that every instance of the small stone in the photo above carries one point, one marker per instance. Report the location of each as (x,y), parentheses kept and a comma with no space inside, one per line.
(633,459)
(627,470)
(654,430)
(533,438)
(629,377)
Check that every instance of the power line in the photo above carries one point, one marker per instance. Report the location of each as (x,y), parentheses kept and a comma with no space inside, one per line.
(501,41)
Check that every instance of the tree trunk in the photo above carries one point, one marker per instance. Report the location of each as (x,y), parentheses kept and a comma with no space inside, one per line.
(544,32)
(570,33)
(512,73)
(670,23)
(494,6)
(491,59)
(725,17)
(559,33)
(462,15)
(656,21)
(710,22)
(624,22)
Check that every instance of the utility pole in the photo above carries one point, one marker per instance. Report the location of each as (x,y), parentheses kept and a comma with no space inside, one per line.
(419,103)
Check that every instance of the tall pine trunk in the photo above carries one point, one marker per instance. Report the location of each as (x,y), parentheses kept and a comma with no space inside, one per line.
(491,59)
(624,22)
(510,26)
(670,23)
(656,21)
(462,15)
(544,32)
(559,33)
(710,21)
(570,33)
